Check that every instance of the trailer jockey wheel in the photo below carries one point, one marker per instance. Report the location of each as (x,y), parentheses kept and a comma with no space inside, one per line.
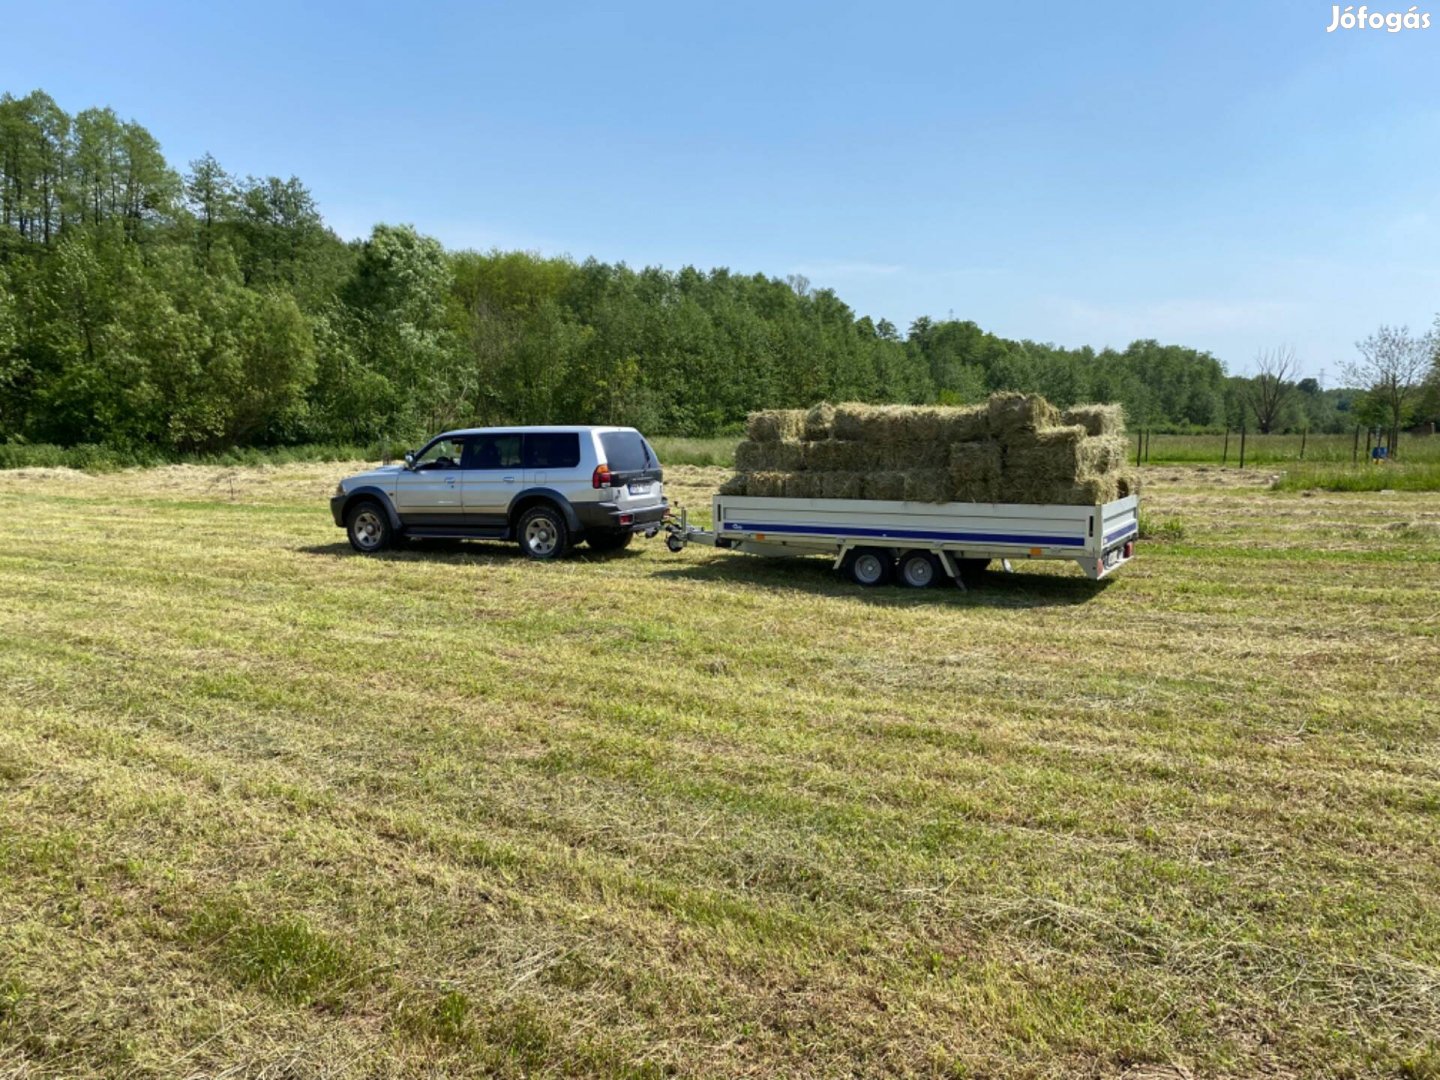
(675,543)
(919,569)
(869,567)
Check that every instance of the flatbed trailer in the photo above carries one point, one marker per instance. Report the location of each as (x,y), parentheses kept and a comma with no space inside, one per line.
(918,544)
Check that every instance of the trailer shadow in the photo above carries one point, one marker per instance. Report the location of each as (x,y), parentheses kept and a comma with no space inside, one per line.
(814,575)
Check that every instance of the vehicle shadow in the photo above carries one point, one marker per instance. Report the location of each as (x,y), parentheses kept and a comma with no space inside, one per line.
(462,551)
(995,588)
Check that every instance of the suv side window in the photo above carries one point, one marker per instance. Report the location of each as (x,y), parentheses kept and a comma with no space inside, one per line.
(445,454)
(492,452)
(560,450)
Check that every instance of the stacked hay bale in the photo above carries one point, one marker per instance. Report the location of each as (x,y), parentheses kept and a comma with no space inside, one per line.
(1015,448)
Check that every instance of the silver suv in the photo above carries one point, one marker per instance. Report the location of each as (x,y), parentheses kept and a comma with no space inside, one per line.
(547,487)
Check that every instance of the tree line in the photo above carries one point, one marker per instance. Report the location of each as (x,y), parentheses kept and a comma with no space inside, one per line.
(142,306)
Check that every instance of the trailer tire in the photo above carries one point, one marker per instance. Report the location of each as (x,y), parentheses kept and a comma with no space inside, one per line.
(869,567)
(919,570)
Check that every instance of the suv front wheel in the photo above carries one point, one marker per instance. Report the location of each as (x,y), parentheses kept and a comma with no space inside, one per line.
(542,533)
(368,527)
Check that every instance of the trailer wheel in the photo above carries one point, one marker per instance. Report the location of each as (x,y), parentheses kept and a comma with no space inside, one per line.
(869,567)
(919,569)
(675,543)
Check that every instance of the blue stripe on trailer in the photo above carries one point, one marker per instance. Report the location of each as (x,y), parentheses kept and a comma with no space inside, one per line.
(911,534)
(1124,530)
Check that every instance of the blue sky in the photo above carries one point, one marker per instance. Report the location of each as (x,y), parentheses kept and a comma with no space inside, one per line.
(1223,175)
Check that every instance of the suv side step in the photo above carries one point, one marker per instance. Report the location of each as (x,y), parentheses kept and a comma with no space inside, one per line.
(451,532)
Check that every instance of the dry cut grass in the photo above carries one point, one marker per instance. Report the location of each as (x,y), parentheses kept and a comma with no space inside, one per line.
(271,809)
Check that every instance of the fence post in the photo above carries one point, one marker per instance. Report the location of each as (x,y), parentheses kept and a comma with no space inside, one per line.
(1147,446)
(1242,446)
(1303,432)
(1225,454)
(1139,446)
(1355,454)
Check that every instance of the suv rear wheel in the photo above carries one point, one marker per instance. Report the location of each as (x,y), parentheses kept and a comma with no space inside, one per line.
(368,527)
(542,533)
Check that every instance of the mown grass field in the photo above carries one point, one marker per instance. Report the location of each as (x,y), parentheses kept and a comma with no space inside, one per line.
(268,808)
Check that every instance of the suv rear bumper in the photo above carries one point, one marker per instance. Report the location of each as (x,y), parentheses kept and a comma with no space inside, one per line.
(606,516)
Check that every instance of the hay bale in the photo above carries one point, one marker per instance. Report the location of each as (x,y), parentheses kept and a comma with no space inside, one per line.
(837,455)
(927,485)
(1091,491)
(735,485)
(976,491)
(785,455)
(802,485)
(974,462)
(857,422)
(840,485)
(772,425)
(766,485)
(1051,456)
(1097,419)
(1101,454)
(965,423)
(883,485)
(1127,482)
(1012,415)
(820,422)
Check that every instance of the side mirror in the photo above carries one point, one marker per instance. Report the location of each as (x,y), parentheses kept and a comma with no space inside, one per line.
(409,459)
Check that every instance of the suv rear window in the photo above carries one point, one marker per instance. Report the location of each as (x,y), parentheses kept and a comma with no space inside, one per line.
(627,451)
(558,451)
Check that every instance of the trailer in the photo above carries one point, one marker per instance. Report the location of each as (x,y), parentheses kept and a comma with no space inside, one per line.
(917,544)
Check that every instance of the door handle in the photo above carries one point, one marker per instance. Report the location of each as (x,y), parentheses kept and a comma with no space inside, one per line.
(509,479)
(450,480)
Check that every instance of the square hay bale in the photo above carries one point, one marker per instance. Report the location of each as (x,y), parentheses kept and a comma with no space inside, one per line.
(1091,491)
(837,455)
(977,491)
(1127,482)
(883,485)
(1035,490)
(840,485)
(927,485)
(785,455)
(1097,419)
(857,422)
(772,425)
(1100,454)
(1012,415)
(1051,456)
(766,485)
(802,485)
(965,423)
(820,422)
(735,485)
(974,462)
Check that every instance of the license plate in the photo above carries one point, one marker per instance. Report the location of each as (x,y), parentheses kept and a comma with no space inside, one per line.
(639,489)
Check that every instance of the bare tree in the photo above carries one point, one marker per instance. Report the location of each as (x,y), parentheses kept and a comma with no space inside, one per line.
(1272,385)
(1393,366)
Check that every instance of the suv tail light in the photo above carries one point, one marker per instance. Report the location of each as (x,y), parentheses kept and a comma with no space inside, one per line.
(601,476)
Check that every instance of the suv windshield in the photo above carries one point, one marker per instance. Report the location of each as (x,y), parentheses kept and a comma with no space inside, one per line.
(627,451)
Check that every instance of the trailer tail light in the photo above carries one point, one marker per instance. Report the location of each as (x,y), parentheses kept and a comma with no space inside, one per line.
(1130,549)
(627,519)
(601,477)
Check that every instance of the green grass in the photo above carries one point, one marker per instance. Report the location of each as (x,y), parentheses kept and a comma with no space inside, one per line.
(1392,476)
(271,808)
(1265,450)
